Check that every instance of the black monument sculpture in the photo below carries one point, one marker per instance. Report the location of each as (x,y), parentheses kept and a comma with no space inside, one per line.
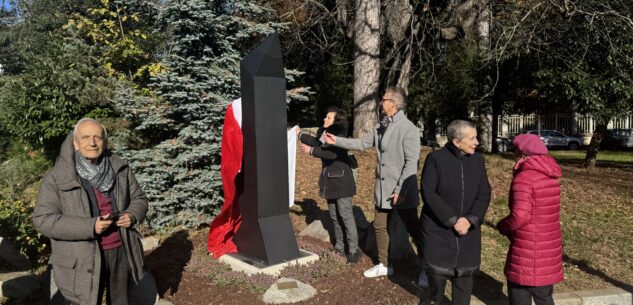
(266,234)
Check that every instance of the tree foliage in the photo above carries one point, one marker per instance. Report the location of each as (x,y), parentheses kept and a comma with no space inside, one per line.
(122,32)
(54,80)
(445,93)
(578,54)
(180,122)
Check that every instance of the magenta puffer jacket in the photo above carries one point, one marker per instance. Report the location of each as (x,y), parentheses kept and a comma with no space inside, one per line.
(535,257)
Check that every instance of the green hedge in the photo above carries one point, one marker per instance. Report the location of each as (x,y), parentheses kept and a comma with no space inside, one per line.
(16,225)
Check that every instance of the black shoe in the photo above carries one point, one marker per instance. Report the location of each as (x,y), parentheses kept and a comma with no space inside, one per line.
(354,257)
(339,252)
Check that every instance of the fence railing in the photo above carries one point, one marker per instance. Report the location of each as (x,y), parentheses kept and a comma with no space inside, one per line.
(571,124)
(576,124)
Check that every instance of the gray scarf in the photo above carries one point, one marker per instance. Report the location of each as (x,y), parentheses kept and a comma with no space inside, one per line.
(100,176)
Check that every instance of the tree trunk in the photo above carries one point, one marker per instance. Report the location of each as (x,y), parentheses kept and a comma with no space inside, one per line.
(402,28)
(594,145)
(495,125)
(405,71)
(430,129)
(343,16)
(485,126)
(486,117)
(483,26)
(366,66)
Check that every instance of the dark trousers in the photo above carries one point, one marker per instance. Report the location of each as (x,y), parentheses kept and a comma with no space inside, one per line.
(522,295)
(114,276)
(411,220)
(462,289)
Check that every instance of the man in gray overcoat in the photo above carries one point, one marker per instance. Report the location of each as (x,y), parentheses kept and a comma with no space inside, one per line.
(397,143)
(88,205)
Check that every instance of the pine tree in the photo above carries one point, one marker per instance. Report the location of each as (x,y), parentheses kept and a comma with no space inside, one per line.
(180,121)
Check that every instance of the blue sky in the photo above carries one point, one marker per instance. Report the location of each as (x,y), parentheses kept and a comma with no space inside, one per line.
(6,4)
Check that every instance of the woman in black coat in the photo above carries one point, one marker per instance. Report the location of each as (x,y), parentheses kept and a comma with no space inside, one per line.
(336,182)
(456,195)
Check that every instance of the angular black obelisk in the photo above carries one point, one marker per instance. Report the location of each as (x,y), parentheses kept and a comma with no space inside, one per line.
(266,234)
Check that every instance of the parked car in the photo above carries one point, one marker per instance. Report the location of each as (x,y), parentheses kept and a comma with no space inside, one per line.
(430,143)
(620,138)
(504,144)
(555,139)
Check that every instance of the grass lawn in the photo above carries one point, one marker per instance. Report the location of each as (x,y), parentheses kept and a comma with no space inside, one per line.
(624,157)
(596,216)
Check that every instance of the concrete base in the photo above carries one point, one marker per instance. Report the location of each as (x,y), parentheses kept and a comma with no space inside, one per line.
(241,263)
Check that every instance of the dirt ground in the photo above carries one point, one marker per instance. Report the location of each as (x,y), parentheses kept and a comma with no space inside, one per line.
(596,255)
(186,275)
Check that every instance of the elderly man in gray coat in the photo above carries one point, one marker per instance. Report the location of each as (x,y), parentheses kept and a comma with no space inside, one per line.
(397,143)
(88,205)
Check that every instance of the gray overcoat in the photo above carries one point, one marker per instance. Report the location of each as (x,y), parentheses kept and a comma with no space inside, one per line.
(62,213)
(398,155)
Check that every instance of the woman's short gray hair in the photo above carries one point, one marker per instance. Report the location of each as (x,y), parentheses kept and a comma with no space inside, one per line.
(455,129)
(400,97)
(105,132)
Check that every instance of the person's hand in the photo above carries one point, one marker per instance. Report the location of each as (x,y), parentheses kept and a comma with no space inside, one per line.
(461,226)
(330,138)
(306,149)
(101,224)
(125,220)
(394,198)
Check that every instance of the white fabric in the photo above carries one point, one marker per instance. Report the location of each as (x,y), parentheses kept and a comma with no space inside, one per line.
(292,163)
(237,114)
(292,150)
(237,111)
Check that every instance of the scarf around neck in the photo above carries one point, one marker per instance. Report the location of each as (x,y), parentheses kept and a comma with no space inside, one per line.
(100,175)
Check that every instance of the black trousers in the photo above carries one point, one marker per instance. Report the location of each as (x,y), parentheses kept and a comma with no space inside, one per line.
(462,289)
(522,295)
(114,276)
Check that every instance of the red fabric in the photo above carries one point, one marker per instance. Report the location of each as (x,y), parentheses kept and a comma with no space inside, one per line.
(535,257)
(110,238)
(530,144)
(225,224)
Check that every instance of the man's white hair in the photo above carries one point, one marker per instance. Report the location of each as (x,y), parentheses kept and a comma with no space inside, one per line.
(105,132)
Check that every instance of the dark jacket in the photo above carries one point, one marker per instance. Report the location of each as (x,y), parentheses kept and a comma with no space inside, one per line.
(453,186)
(336,180)
(63,213)
(535,257)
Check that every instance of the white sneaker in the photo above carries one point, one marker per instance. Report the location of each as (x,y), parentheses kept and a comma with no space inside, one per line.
(378,270)
(423,280)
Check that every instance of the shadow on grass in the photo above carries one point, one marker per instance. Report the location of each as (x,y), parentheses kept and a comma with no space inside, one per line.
(599,163)
(584,266)
(487,287)
(168,261)
(311,210)
(406,272)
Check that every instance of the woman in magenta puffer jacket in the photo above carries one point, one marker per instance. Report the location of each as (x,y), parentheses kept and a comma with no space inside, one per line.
(535,258)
